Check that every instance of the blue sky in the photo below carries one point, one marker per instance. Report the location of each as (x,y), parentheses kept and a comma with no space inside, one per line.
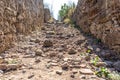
(56,5)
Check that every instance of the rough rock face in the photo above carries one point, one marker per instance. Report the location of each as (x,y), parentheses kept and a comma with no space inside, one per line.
(18,17)
(100,18)
(46,15)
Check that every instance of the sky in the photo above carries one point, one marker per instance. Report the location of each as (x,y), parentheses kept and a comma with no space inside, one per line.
(56,5)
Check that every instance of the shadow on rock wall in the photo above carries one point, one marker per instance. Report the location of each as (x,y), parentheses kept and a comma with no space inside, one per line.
(101,18)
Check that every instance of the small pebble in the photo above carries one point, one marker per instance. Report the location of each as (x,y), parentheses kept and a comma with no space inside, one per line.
(59,72)
(31,76)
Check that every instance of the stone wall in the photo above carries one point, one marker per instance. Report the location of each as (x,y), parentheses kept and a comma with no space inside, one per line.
(18,17)
(100,18)
(47,15)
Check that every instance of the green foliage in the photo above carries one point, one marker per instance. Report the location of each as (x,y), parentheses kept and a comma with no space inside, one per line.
(66,11)
(89,51)
(95,60)
(103,72)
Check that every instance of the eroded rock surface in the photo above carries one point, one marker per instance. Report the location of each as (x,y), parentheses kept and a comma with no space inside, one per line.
(100,18)
(47,15)
(18,17)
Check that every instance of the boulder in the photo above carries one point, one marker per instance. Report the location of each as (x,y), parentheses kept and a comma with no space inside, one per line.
(47,43)
(72,51)
(86,71)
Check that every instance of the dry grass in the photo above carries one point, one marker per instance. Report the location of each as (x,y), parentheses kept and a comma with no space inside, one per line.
(114,76)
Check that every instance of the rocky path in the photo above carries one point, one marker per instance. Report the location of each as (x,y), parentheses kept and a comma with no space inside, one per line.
(57,52)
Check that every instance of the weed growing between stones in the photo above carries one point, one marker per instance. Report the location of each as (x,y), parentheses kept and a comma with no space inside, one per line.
(95,60)
(103,72)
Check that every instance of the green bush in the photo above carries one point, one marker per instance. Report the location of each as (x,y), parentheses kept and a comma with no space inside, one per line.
(103,72)
(66,12)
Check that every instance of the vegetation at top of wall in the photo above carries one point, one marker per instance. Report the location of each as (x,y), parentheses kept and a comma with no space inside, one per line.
(66,12)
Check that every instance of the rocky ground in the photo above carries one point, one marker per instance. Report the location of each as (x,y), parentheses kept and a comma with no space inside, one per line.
(57,52)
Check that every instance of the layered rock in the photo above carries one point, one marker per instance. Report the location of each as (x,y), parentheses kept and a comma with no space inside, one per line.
(100,18)
(47,15)
(18,17)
